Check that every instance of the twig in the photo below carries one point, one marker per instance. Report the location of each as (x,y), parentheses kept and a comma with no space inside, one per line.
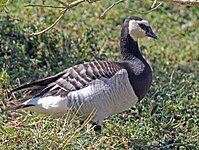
(20,123)
(182,122)
(67,7)
(152,8)
(5,4)
(102,15)
(52,25)
(153,5)
(40,5)
(183,2)
(75,3)
(91,1)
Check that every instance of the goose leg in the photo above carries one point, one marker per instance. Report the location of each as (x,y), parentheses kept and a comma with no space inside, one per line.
(97,127)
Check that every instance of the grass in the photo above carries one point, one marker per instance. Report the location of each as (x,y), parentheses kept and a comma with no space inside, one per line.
(167,118)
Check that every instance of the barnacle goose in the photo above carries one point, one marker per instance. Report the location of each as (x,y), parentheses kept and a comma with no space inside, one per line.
(107,86)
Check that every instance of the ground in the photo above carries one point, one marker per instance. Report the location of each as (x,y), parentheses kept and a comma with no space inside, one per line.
(167,118)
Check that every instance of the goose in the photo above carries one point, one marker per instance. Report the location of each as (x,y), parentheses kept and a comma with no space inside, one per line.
(107,86)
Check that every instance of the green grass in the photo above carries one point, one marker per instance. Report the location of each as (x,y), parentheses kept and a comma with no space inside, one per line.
(167,118)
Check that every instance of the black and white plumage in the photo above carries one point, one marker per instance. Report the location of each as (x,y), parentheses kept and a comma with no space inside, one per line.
(109,87)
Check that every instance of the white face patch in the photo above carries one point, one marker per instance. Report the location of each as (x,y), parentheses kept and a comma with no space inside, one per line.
(135,30)
(145,22)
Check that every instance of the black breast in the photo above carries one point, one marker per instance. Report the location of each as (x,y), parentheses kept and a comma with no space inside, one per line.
(140,75)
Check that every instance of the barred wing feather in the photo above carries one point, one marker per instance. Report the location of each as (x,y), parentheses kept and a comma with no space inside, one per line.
(71,79)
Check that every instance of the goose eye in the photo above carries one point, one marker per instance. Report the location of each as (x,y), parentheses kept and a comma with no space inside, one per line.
(144,27)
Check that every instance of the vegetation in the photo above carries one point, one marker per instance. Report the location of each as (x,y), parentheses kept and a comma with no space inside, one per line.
(167,118)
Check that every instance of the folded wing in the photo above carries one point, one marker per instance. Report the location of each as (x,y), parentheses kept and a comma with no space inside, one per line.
(71,79)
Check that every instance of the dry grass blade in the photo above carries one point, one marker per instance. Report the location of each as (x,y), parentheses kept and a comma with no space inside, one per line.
(98,143)
(122,141)
(88,119)
(102,139)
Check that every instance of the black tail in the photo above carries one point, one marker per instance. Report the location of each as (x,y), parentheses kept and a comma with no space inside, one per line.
(37,86)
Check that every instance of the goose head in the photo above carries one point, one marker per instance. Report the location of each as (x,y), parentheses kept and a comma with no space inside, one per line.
(139,28)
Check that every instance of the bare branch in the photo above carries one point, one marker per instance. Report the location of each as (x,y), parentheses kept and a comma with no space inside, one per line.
(91,1)
(183,2)
(67,7)
(5,3)
(75,3)
(40,5)
(102,15)
(52,25)
(153,7)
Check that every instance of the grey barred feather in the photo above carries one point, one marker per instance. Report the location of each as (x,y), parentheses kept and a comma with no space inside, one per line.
(71,79)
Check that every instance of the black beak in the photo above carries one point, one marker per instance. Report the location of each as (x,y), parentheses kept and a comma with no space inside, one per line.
(150,33)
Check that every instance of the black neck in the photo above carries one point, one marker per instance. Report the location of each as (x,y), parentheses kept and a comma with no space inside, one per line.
(129,47)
